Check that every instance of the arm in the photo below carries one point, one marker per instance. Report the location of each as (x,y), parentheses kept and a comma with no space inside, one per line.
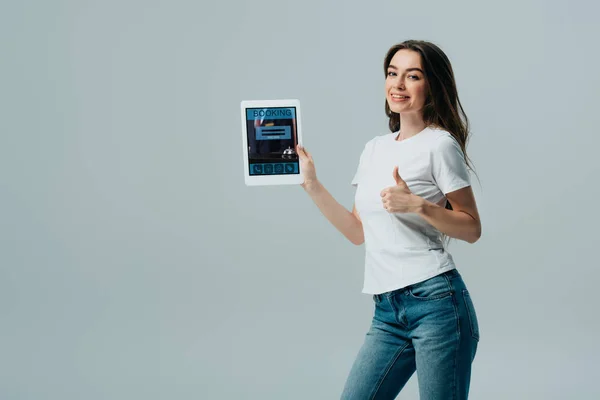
(462,222)
(348,223)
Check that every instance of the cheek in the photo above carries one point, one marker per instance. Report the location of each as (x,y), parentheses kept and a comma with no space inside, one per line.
(420,93)
(387,85)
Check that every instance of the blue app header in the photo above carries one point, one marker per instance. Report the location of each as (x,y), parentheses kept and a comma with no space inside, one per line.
(270,113)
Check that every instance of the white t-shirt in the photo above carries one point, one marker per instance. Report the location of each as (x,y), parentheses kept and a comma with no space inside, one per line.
(403,248)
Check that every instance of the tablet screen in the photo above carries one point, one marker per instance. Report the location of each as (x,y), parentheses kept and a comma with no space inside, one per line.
(272,140)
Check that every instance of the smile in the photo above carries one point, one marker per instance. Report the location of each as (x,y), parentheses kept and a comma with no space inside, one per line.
(397,97)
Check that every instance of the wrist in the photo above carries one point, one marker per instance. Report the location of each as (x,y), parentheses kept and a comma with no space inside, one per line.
(422,205)
(311,185)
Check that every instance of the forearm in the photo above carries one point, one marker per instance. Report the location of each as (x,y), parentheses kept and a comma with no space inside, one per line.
(456,224)
(338,215)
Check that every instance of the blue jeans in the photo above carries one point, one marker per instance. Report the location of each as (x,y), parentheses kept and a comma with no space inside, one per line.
(430,327)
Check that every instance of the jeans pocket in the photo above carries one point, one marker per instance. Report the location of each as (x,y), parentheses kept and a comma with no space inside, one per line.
(434,288)
(474,324)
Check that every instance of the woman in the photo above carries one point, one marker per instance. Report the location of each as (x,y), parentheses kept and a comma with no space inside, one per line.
(413,192)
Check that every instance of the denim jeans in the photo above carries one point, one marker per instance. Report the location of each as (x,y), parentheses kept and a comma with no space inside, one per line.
(429,327)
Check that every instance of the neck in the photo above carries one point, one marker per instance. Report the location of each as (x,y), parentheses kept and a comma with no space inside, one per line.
(410,125)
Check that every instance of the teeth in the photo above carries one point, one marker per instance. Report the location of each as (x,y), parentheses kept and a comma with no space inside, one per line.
(399,97)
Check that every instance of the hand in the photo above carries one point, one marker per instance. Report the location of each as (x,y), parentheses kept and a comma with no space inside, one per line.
(399,198)
(307,165)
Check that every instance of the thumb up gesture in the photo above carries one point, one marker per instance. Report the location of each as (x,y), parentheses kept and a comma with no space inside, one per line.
(399,198)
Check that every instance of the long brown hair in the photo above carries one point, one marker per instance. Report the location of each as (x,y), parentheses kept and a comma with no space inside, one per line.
(442,106)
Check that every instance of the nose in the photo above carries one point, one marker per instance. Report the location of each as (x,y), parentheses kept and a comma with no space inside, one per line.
(400,83)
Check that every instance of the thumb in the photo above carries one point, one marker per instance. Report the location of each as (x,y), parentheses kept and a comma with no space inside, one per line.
(397,177)
(304,152)
(300,151)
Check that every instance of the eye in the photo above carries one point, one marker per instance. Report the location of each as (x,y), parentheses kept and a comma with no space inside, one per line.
(414,77)
(391,73)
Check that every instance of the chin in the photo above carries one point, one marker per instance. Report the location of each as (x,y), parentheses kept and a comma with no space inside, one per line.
(398,109)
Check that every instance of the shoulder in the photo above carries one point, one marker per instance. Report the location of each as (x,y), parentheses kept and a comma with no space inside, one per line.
(440,135)
(381,138)
(442,140)
(377,141)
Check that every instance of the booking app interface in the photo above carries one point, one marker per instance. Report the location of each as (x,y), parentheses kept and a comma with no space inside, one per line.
(272,141)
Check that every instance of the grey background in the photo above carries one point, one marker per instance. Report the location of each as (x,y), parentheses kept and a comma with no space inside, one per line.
(135,263)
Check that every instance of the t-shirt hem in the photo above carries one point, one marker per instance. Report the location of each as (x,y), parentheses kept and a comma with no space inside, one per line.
(391,288)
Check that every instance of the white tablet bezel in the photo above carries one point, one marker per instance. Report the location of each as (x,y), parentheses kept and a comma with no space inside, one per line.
(260,180)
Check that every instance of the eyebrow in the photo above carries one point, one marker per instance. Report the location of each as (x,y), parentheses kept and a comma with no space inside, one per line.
(408,70)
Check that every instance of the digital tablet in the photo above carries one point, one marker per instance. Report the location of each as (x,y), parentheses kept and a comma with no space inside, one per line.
(270,133)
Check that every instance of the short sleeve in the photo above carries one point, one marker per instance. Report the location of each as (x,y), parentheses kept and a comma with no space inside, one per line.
(449,169)
(360,171)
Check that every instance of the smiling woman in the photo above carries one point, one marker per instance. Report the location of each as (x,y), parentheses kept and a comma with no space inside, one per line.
(413,191)
(405,85)
(425,72)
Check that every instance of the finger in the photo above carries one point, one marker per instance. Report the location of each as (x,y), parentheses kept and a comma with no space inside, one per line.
(397,177)
(301,152)
(306,152)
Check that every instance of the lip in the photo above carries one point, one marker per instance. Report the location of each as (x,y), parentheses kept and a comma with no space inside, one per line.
(398,100)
